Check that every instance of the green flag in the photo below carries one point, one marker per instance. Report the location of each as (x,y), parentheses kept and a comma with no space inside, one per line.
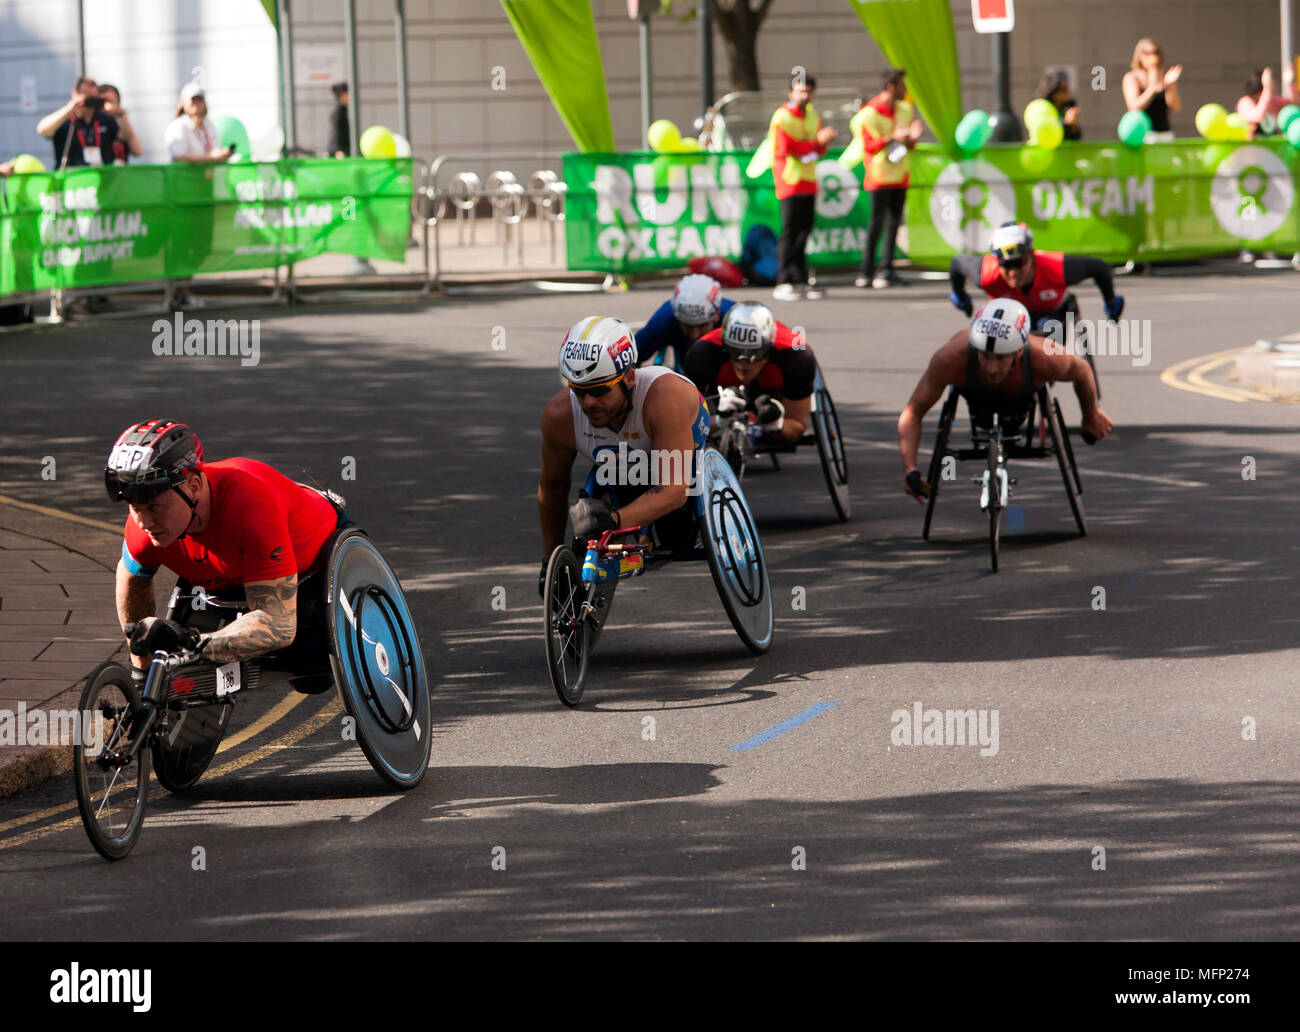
(559,37)
(917,35)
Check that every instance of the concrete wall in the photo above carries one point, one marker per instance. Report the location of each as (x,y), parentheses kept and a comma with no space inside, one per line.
(149,46)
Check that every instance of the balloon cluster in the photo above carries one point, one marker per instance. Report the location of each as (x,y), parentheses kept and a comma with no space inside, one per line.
(665,138)
(1044,124)
(1215,124)
(381,142)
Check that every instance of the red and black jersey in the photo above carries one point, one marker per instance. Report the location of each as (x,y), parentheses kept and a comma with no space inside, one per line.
(263,526)
(788,372)
(1045,294)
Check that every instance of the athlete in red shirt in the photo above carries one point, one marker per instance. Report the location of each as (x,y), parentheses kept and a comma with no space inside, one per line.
(1039,280)
(231,524)
(753,361)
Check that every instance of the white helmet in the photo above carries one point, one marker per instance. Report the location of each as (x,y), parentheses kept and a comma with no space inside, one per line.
(598,350)
(748,331)
(695,300)
(1001,327)
(1011,241)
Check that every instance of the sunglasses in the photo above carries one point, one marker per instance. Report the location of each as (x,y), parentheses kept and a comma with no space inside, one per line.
(746,357)
(598,390)
(1011,263)
(134,488)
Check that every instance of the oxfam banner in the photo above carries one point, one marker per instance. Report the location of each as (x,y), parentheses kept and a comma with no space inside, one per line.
(633,213)
(641,212)
(92,226)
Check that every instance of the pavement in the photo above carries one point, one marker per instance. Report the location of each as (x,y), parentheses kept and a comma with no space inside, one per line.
(56,624)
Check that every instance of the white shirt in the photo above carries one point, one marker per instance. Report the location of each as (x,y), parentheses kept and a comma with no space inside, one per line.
(186,140)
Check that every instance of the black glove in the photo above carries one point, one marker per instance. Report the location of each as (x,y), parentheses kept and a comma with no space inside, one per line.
(918,485)
(148,637)
(541,579)
(961,300)
(770,412)
(590,516)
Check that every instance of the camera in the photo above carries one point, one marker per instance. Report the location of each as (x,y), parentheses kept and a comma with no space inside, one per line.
(95,103)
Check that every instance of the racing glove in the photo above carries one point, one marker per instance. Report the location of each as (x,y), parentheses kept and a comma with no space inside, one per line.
(590,516)
(150,636)
(731,402)
(918,485)
(770,412)
(962,301)
(1114,308)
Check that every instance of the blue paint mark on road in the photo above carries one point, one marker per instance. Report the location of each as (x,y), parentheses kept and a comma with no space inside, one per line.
(1015,520)
(786,725)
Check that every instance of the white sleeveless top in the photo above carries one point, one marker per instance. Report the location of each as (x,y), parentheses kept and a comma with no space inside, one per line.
(633,435)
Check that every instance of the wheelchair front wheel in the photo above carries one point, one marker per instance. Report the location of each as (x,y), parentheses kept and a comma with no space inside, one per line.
(111,792)
(566,628)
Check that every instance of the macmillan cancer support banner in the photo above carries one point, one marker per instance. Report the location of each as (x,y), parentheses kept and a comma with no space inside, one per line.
(93,226)
(638,212)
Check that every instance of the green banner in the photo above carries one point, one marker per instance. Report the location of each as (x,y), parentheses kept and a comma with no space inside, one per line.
(92,226)
(559,37)
(631,213)
(918,36)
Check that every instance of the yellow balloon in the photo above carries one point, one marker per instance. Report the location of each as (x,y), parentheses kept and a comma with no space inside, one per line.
(26,164)
(663,136)
(378,142)
(762,159)
(1047,135)
(1212,121)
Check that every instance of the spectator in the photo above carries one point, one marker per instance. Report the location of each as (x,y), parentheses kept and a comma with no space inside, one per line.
(6,168)
(82,133)
(340,144)
(890,130)
(1055,86)
(127,144)
(192,138)
(799,139)
(191,135)
(1150,87)
(1261,102)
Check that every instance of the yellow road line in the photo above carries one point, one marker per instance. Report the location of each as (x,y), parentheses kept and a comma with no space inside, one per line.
(263,722)
(1198,385)
(289,738)
(45,510)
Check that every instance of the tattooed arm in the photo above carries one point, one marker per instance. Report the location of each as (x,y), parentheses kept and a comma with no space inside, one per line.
(270,623)
(135,602)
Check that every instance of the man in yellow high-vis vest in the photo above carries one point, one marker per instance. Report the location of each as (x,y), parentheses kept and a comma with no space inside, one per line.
(889,129)
(798,141)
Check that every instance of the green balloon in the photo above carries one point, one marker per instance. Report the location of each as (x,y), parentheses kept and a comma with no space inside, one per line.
(973,131)
(231,132)
(1293,133)
(1286,116)
(1133,128)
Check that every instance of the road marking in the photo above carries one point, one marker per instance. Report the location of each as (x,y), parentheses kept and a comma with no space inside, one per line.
(1197,384)
(779,729)
(268,718)
(308,727)
(45,510)
(1146,478)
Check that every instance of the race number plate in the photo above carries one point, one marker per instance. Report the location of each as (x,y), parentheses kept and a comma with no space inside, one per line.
(227,679)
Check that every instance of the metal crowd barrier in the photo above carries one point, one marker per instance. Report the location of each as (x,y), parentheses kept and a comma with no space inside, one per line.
(506,198)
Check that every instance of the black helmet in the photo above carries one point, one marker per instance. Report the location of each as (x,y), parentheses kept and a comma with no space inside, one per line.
(150,457)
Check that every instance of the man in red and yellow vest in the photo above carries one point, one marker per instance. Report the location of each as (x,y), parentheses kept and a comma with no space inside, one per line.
(798,140)
(889,130)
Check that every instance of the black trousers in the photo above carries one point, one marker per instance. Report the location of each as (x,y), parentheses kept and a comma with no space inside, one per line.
(796,223)
(886,217)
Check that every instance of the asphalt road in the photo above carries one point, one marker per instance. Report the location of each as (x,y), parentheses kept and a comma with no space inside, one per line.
(1119,729)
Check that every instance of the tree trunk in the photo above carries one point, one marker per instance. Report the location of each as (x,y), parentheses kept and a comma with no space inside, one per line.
(739,25)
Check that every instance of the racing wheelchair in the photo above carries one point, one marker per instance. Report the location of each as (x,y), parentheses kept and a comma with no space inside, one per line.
(1082,343)
(721,530)
(741,439)
(995,439)
(354,631)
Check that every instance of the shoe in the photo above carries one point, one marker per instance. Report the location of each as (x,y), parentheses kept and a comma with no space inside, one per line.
(862,281)
(786,292)
(811,293)
(184,299)
(880,282)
